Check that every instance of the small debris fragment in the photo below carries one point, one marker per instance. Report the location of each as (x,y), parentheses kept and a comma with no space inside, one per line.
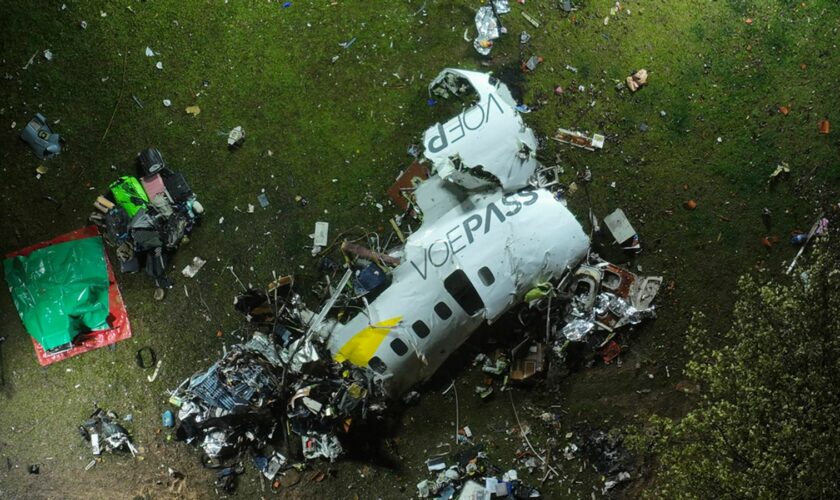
(637,80)
(191,270)
(193,110)
(321,231)
(263,199)
(825,126)
(236,137)
(531,19)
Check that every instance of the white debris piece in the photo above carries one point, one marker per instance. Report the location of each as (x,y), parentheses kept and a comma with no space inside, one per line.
(191,270)
(619,226)
(321,234)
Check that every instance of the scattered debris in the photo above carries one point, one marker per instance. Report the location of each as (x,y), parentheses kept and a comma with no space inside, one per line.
(236,137)
(153,376)
(488,25)
(315,373)
(145,357)
(321,231)
(531,19)
(531,64)
(781,170)
(579,139)
(147,219)
(102,429)
(825,126)
(41,139)
(637,80)
(819,228)
(192,269)
(263,199)
(193,110)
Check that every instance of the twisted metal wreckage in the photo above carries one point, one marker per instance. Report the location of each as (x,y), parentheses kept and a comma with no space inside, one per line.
(495,233)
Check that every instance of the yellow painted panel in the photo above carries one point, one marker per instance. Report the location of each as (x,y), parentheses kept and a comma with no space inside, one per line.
(361,347)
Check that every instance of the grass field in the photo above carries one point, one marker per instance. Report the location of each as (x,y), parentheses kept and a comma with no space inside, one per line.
(706,127)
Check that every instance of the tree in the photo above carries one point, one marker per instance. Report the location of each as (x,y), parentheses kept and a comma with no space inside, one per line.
(768,421)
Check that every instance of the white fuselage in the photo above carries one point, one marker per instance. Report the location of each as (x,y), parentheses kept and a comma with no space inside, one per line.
(471,265)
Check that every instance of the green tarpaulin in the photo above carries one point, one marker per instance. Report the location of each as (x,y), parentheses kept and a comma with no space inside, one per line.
(61,290)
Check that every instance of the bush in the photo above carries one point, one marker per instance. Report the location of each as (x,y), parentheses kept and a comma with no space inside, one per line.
(766,424)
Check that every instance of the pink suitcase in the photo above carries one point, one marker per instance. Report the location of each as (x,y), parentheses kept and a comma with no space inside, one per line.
(153,185)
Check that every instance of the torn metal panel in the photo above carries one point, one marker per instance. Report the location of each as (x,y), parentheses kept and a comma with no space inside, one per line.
(619,226)
(403,188)
(485,146)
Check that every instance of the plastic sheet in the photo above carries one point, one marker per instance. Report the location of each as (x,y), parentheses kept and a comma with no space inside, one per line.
(60,290)
(117,319)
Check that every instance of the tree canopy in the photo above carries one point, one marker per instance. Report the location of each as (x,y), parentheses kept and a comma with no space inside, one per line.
(766,425)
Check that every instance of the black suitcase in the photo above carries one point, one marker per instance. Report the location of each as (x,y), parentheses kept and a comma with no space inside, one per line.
(176,186)
(150,161)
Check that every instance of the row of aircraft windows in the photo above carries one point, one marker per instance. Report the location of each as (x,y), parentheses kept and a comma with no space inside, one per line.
(464,293)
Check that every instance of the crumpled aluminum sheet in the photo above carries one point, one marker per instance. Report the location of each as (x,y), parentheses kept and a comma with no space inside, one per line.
(299,352)
(623,309)
(576,329)
(487,27)
(214,442)
(188,408)
(321,445)
(502,6)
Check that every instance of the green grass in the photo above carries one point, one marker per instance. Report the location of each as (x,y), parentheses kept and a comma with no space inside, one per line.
(269,69)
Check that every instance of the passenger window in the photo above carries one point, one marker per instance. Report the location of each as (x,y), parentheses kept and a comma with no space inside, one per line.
(463,291)
(443,310)
(377,365)
(420,329)
(486,276)
(399,347)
